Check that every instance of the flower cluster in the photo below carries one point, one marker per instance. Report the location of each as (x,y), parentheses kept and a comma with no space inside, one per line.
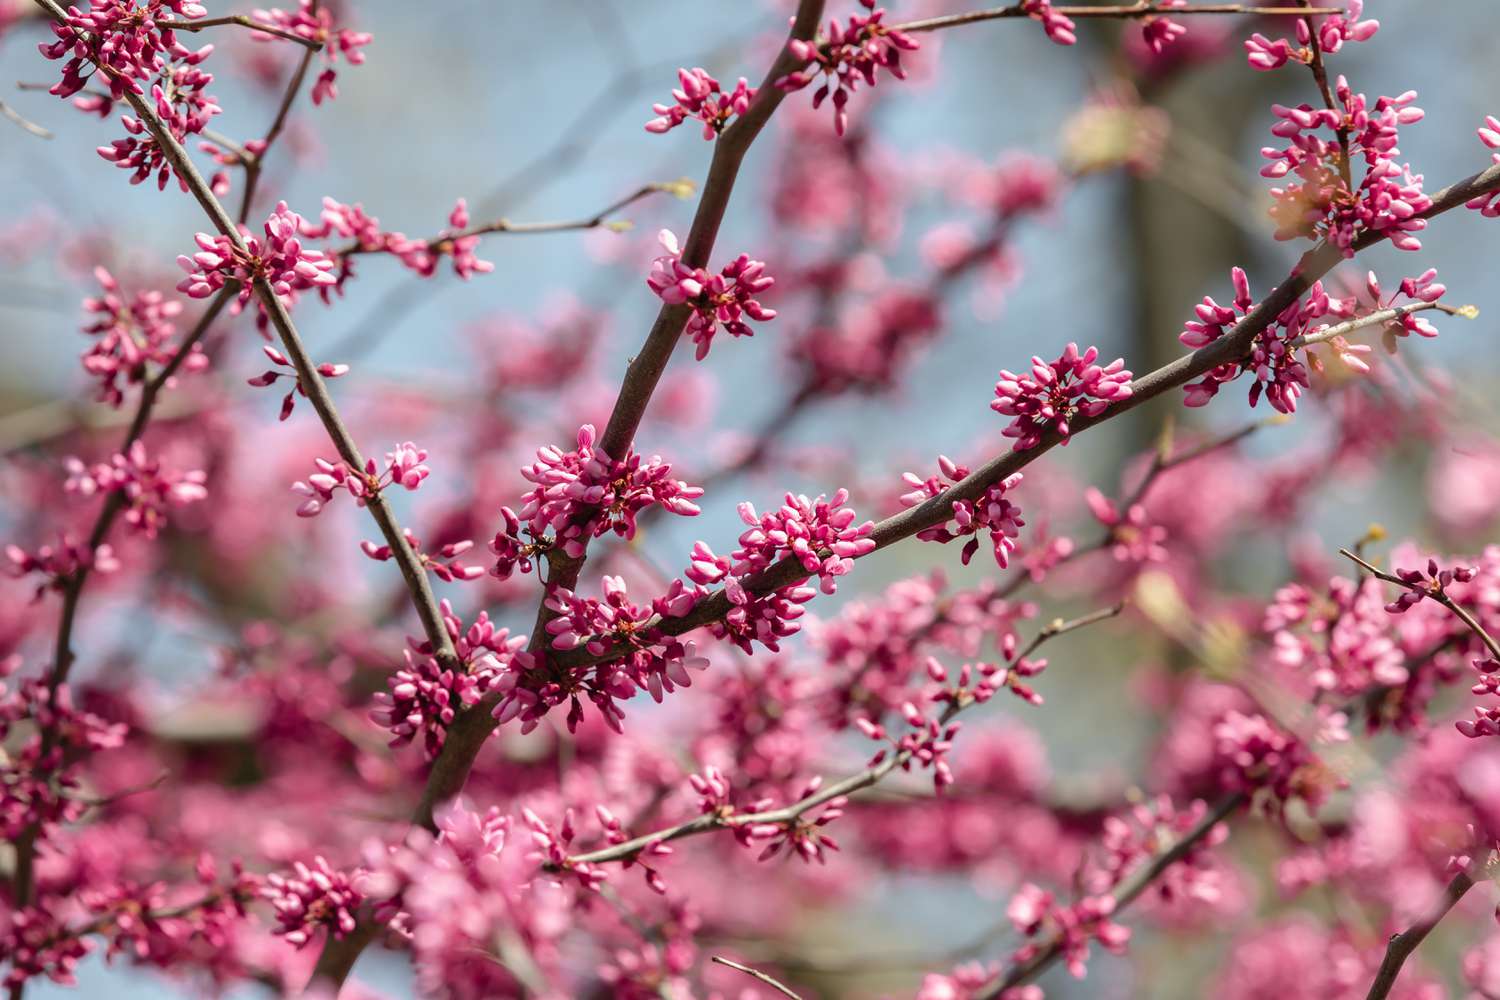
(993,512)
(718,300)
(38,783)
(425,695)
(642,656)
(1325,203)
(1488,205)
(1133,538)
(1055,394)
(269,376)
(457,241)
(183,107)
(700,97)
(445,571)
(1058,27)
(1333,30)
(145,489)
(1258,756)
(1148,829)
(280,260)
(1339,640)
(58,563)
(312,897)
(1037,916)
(583,494)
(845,55)
(120,37)
(315,23)
(820,534)
(405,466)
(133,332)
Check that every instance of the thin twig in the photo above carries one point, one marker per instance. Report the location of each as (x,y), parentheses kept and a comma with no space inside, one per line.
(312,44)
(1125,893)
(1436,594)
(1379,318)
(827,793)
(24,122)
(1400,946)
(1125,11)
(757,974)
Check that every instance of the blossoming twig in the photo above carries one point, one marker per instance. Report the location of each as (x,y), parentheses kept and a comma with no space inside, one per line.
(1125,893)
(1402,945)
(757,974)
(1379,318)
(312,44)
(1436,594)
(1134,10)
(827,793)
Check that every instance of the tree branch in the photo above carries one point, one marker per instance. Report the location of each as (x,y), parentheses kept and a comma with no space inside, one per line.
(1400,947)
(1124,11)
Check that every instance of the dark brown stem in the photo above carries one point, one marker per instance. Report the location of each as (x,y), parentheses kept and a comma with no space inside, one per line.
(242,21)
(1400,947)
(1125,11)
(255,165)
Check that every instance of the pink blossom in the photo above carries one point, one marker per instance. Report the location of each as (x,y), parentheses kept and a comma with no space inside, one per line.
(60,563)
(145,488)
(316,25)
(1488,205)
(133,334)
(281,261)
(1160,32)
(1055,394)
(845,55)
(404,466)
(1333,30)
(1326,203)
(1058,27)
(993,512)
(280,360)
(121,35)
(700,97)
(721,300)
(312,897)
(1133,538)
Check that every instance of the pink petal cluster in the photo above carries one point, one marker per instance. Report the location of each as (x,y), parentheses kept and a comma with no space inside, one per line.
(313,897)
(1488,205)
(121,36)
(643,657)
(1054,394)
(315,23)
(38,778)
(420,255)
(1340,640)
(1333,30)
(60,562)
(1058,27)
(1142,832)
(446,571)
(1325,202)
(405,466)
(583,494)
(133,333)
(146,490)
(1037,916)
(700,97)
(719,300)
(1160,32)
(820,534)
(269,376)
(185,109)
(1256,755)
(280,260)
(993,512)
(846,54)
(1133,538)
(425,696)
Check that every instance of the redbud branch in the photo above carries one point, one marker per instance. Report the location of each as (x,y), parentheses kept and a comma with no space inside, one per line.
(1401,945)
(1379,318)
(307,374)
(1320,75)
(1435,594)
(73,584)
(244,22)
(1135,10)
(845,786)
(25,123)
(757,974)
(1126,892)
(594,221)
(256,163)
(1312,266)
